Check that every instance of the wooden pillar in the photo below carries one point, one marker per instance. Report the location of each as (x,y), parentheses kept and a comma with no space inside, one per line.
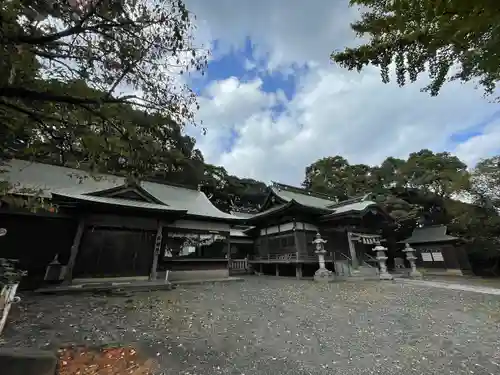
(228,242)
(68,275)
(296,239)
(352,250)
(156,251)
(298,271)
(261,268)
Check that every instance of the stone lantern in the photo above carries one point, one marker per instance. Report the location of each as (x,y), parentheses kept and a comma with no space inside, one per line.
(54,271)
(382,259)
(322,274)
(410,255)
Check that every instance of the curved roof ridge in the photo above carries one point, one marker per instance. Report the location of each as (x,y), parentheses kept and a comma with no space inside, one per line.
(349,201)
(300,190)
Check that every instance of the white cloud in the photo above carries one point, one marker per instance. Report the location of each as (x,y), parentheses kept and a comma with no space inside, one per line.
(480,146)
(333,111)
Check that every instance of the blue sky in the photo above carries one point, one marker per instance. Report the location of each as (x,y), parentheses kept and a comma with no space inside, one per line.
(240,62)
(273,103)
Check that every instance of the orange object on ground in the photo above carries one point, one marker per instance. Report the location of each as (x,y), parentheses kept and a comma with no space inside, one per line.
(106,361)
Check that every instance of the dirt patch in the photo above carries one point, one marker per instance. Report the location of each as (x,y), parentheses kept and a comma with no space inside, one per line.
(102,361)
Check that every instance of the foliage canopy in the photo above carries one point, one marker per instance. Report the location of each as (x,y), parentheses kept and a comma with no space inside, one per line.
(452,39)
(78,73)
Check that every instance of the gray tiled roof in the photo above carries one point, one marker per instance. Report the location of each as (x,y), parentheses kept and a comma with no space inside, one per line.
(356,206)
(303,197)
(320,201)
(434,234)
(121,202)
(265,213)
(54,179)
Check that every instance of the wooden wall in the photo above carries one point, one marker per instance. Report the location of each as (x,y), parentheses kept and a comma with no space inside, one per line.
(35,240)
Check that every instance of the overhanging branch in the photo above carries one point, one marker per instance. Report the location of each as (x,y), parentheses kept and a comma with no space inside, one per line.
(23,93)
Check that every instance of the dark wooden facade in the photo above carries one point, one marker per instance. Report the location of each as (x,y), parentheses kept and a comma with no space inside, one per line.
(34,239)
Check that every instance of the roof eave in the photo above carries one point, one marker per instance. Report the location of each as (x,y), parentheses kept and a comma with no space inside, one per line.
(416,241)
(285,207)
(358,213)
(272,192)
(165,210)
(266,214)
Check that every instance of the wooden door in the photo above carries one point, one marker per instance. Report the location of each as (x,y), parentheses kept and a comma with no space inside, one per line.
(113,252)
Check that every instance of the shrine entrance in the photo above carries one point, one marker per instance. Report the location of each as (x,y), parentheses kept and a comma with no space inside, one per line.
(360,247)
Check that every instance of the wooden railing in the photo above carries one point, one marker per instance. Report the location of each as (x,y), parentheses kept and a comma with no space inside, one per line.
(238,264)
(370,261)
(292,257)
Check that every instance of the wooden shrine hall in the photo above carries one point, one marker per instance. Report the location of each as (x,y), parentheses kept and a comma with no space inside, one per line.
(121,231)
(145,231)
(289,219)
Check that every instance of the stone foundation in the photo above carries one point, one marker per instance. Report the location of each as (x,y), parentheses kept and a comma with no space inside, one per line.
(195,274)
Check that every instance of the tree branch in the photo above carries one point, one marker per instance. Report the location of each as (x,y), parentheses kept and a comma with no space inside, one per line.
(63,33)
(20,92)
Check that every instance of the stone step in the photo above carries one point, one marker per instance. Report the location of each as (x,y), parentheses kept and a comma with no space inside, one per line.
(364,273)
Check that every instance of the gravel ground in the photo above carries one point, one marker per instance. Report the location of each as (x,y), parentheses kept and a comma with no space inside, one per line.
(276,326)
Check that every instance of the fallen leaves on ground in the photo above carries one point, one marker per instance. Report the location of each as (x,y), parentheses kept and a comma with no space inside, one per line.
(106,361)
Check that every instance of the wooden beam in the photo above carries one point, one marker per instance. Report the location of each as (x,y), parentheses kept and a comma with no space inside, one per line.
(68,275)
(296,237)
(156,251)
(298,271)
(229,253)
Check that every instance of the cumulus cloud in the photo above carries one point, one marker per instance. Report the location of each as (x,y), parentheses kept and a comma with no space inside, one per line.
(333,111)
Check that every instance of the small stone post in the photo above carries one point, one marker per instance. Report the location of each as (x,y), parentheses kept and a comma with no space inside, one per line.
(381,257)
(322,274)
(410,255)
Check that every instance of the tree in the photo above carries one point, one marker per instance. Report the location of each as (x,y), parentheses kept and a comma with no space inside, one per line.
(452,39)
(389,174)
(336,177)
(76,64)
(230,193)
(441,174)
(409,190)
(485,183)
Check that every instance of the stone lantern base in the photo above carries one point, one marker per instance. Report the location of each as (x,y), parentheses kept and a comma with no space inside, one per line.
(323,275)
(415,274)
